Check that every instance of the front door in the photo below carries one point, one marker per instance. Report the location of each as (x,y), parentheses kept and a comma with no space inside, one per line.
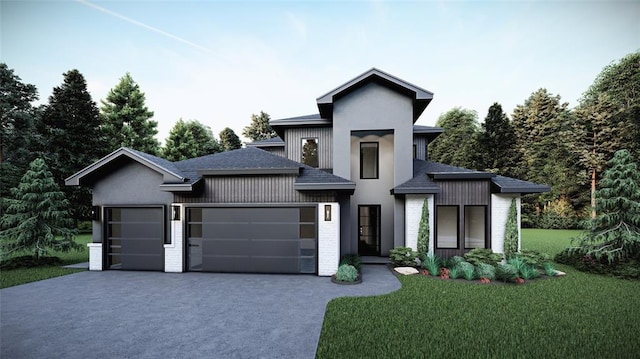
(369,230)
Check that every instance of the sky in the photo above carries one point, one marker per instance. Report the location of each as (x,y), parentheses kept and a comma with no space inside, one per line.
(218,62)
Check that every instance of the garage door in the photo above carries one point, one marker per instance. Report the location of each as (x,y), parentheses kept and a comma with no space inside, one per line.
(135,238)
(252,240)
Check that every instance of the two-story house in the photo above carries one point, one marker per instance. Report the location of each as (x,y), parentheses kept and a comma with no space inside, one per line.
(352,178)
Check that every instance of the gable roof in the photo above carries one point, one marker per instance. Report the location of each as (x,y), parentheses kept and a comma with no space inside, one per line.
(419,96)
(425,172)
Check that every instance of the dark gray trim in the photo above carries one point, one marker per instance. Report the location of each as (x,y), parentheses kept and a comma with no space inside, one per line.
(249,171)
(460,175)
(325,186)
(177,187)
(521,190)
(415,190)
(250,205)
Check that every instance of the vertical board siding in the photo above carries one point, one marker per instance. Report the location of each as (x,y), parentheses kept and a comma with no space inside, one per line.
(421,147)
(253,189)
(293,147)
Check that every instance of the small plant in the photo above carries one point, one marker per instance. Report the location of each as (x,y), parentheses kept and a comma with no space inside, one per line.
(519,280)
(484,280)
(506,272)
(529,272)
(454,272)
(432,263)
(424,272)
(444,273)
(533,257)
(352,259)
(517,263)
(453,261)
(468,271)
(484,270)
(403,256)
(549,270)
(347,273)
(482,255)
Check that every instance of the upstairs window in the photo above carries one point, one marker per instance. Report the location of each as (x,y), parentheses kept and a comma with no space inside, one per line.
(310,152)
(368,160)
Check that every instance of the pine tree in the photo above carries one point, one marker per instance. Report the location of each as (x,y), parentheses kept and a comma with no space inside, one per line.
(127,120)
(511,232)
(423,231)
(229,140)
(37,215)
(71,137)
(495,144)
(455,146)
(615,232)
(189,139)
(259,129)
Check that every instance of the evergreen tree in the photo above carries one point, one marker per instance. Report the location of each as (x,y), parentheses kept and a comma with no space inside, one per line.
(511,232)
(495,144)
(423,231)
(71,137)
(189,139)
(127,120)
(36,215)
(455,145)
(17,119)
(229,140)
(615,232)
(259,129)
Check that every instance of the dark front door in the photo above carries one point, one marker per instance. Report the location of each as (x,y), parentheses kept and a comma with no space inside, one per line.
(369,230)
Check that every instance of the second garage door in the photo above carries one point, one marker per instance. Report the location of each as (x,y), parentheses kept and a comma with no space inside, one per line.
(252,240)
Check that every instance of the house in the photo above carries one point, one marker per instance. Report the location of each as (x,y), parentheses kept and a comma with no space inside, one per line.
(352,178)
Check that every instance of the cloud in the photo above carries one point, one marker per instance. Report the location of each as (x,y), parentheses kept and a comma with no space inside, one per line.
(145,26)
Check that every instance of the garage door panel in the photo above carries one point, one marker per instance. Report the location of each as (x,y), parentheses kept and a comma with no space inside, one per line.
(141,262)
(141,230)
(253,230)
(250,248)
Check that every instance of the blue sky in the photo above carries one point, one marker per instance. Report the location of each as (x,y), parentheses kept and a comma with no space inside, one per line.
(219,62)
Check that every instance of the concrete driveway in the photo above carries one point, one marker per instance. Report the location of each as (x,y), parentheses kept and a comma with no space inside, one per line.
(118,314)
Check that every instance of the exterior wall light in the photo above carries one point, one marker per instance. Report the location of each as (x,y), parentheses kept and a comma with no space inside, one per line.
(95,213)
(327,212)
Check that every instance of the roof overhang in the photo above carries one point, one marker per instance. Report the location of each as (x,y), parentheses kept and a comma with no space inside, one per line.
(341,186)
(460,175)
(415,190)
(249,171)
(280,125)
(520,189)
(420,97)
(177,187)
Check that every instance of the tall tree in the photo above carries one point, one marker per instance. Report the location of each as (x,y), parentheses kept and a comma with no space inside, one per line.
(127,120)
(615,233)
(189,139)
(17,118)
(455,146)
(259,129)
(229,140)
(37,215)
(608,118)
(495,144)
(71,137)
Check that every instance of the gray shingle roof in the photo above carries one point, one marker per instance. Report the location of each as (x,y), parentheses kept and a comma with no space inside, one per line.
(512,185)
(271,142)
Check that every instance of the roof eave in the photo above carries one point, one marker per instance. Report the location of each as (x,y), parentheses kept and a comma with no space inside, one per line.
(415,190)
(460,175)
(329,186)
(248,171)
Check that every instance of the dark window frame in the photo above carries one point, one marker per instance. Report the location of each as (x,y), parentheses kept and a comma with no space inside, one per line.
(302,143)
(457,207)
(377,165)
(486,225)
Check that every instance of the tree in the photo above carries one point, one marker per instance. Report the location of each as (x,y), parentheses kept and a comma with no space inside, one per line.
(127,120)
(229,140)
(71,137)
(189,139)
(16,128)
(37,214)
(511,232)
(608,118)
(423,231)
(615,232)
(495,144)
(259,129)
(455,146)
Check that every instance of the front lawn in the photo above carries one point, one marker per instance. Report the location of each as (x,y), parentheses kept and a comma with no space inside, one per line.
(580,315)
(9,278)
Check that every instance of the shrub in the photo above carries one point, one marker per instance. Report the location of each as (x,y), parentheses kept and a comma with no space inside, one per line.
(403,256)
(423,230)
(455,272)
(483,255)
(558,214)
(352,259)
(529,272)
(484,270)
(467,269)
(534,258)
(453,261)
(517,263)
(549,269)
(432,264)
(506,272)
(347,273)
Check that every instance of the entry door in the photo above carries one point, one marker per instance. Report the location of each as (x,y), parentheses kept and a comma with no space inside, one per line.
(369,230)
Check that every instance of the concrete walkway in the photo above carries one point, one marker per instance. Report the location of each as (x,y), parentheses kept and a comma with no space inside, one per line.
(118,314)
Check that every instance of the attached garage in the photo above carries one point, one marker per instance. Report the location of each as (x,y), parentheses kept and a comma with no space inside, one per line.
(134,238)
(252,239)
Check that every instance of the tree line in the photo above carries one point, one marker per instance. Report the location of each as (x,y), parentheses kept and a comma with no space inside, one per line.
(70,132)
(546,142)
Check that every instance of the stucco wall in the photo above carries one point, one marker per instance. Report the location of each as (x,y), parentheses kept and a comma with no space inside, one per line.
(500,204)
(413,214)
(328,240)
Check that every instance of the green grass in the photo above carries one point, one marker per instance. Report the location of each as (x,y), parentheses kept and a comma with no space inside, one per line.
(580,315)
(9,278)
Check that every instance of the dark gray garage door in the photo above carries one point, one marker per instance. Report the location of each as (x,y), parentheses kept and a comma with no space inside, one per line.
(252,240)
(134,238)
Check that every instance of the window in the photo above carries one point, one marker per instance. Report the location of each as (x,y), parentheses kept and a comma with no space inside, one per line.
(369,160)
(475,225)
(447,226)
(310,152)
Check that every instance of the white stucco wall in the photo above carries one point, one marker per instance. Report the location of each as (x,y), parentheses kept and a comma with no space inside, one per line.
(95,256)
(328,240)
(413,213)
(500,204)
(173,252)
